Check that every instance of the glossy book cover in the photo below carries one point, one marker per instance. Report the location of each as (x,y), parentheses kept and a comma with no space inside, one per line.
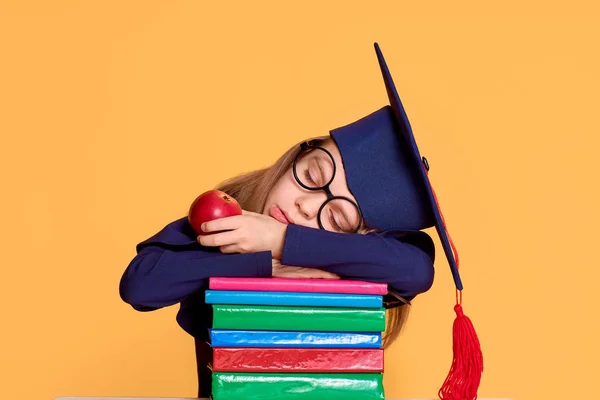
(305,299)
(288,318)
(297,285)
(296,386)
(232,359)
(291,339)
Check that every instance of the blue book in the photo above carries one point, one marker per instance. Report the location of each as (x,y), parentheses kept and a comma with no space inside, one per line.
(239,338)
(293,299)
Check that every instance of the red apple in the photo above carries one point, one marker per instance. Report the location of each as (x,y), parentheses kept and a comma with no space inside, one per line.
(211,205)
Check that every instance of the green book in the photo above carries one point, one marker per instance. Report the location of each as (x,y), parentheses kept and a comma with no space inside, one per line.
(296,318)
(296,386)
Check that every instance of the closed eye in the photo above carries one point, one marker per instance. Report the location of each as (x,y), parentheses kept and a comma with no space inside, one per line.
(334,222)
(308,178)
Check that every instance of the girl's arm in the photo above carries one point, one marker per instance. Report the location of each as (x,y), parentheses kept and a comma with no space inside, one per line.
(403,259)
(171,265)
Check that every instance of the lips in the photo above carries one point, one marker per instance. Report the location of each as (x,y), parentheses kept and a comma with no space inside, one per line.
(279,215)
(290,220)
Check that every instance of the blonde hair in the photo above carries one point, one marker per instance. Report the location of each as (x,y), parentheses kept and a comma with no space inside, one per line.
(251,190)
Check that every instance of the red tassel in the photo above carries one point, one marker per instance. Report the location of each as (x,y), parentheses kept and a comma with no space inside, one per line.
(464,377)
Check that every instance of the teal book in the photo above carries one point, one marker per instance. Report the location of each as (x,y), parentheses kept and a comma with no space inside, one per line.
(293,299)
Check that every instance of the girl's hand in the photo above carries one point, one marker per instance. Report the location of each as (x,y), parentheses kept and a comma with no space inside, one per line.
(247,233)
(285,271)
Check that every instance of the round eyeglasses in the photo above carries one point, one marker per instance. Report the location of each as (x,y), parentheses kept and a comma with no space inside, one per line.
(314,169)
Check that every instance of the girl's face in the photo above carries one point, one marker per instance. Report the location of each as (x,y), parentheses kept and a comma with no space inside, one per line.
(301,206)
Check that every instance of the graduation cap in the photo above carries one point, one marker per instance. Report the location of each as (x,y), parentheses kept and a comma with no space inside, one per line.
(389,178)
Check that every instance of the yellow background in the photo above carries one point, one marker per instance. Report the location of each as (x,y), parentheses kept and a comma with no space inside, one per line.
(114,115)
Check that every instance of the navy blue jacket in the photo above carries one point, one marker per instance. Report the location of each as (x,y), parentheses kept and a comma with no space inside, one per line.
(172,267)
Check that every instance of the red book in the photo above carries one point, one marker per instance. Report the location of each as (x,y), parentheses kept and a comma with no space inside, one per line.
(232,359)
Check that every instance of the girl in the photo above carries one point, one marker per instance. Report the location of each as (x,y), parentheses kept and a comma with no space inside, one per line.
(348,205)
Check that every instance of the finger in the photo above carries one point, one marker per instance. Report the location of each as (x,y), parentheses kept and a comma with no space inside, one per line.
(305,273)
(230,249)
(325,275)
(291,275)
(310,272)
(218,239)
(222,224)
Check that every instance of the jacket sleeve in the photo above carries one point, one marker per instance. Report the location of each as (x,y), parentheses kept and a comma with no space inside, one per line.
(403,259)
(171,265)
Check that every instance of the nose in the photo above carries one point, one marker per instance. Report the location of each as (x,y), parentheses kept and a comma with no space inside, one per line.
(308,204)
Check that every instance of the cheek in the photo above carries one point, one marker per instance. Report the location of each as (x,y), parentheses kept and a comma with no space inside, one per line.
(285,188)
(275,191)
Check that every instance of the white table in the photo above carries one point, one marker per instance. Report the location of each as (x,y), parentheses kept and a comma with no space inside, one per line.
(195,398)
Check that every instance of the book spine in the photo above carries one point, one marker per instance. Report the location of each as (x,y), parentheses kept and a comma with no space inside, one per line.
(293,299)
(297,339)
(298,318)
(297,285)
(297,360)
(296,386)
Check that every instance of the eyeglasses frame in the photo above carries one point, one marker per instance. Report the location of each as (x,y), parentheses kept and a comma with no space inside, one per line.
(304,146)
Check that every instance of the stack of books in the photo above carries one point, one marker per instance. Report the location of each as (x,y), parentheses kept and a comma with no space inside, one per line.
(296,339)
